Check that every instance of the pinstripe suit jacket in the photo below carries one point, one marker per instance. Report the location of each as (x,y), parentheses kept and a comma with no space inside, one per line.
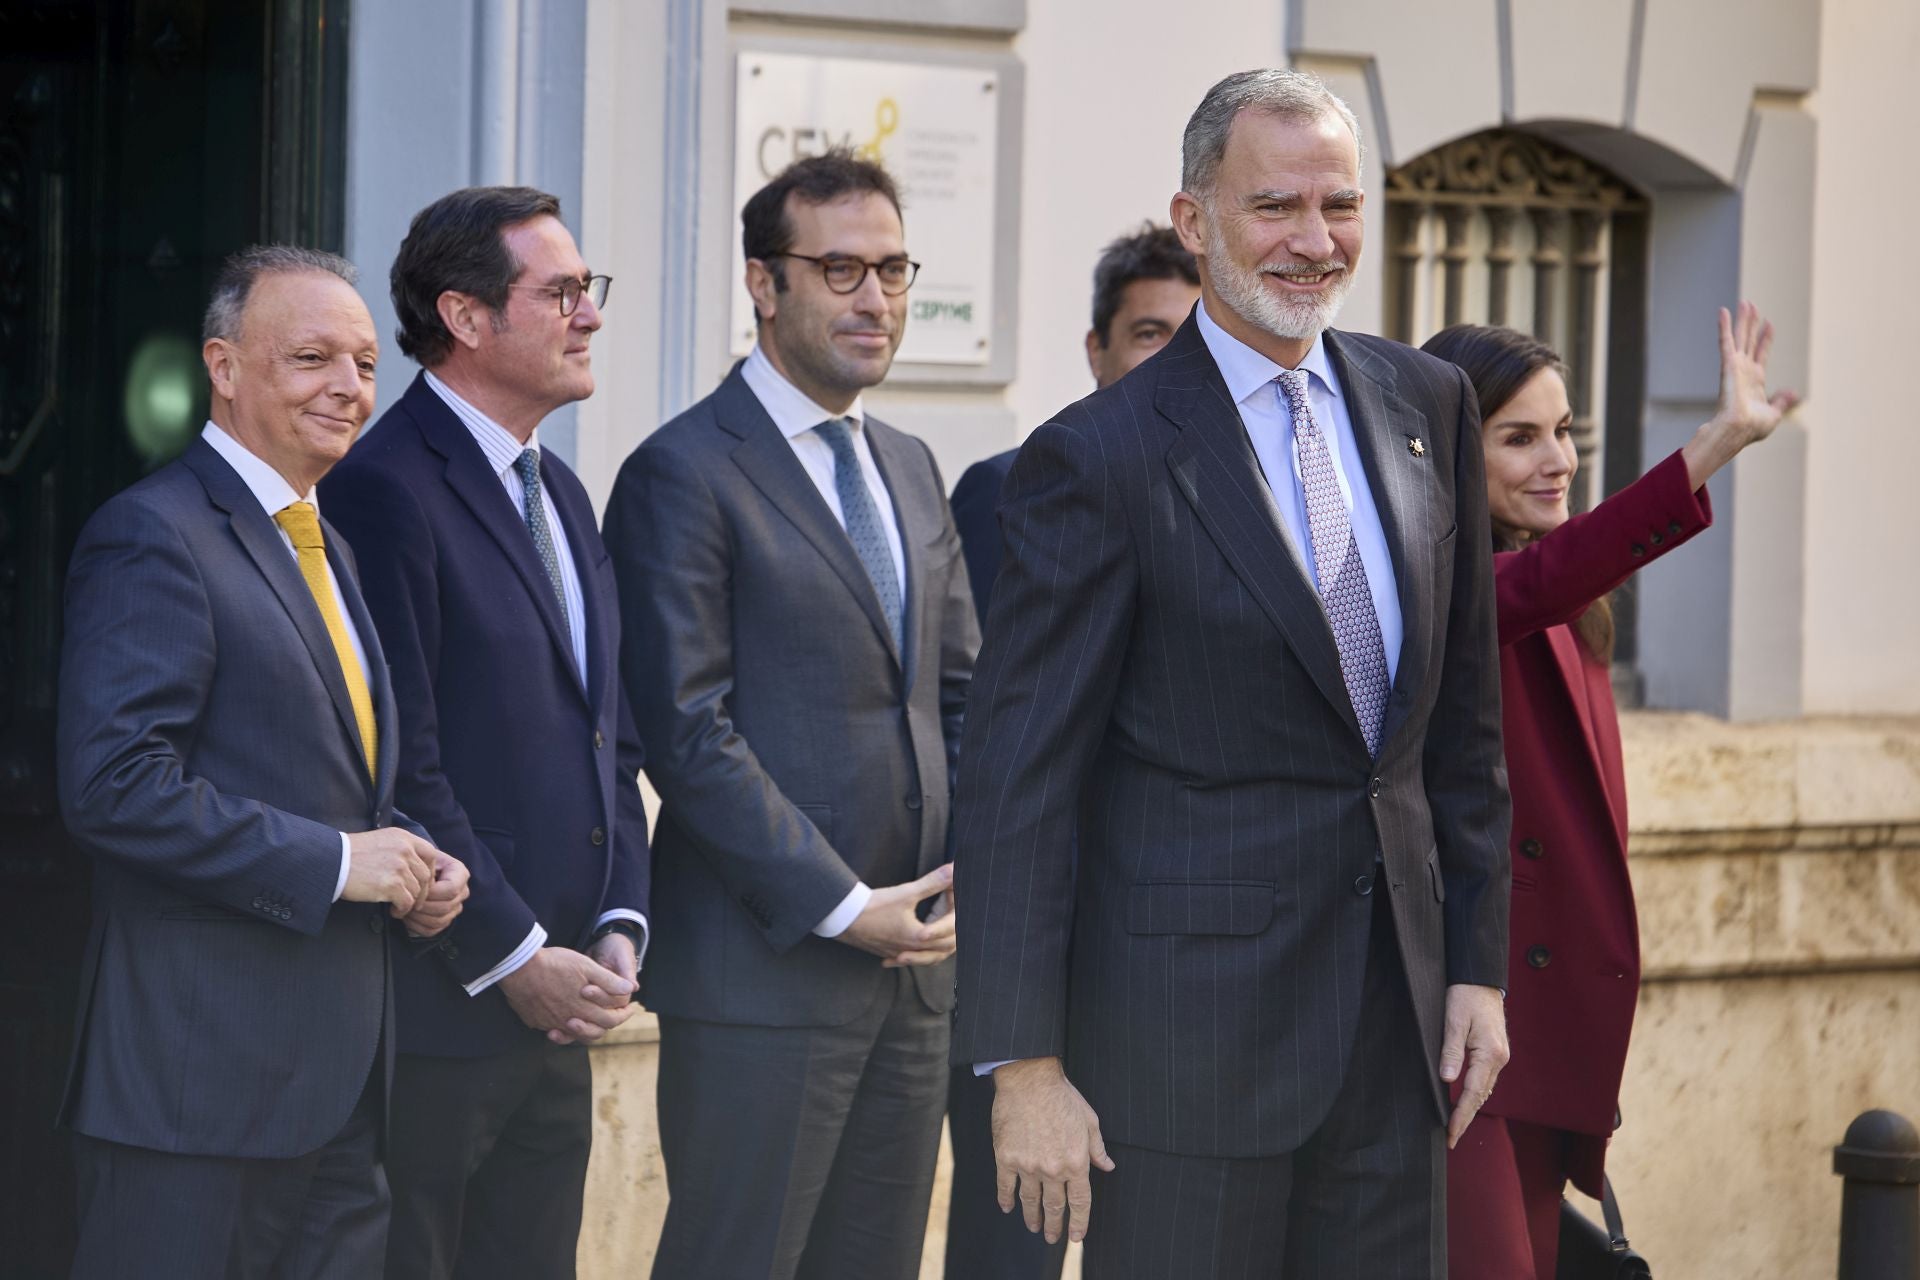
(1159,674)
(209,762)
(794,750)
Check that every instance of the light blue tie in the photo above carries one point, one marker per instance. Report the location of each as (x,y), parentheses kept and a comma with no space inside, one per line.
(862,517)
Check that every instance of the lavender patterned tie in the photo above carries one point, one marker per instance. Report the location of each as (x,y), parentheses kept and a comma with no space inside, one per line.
(1344,592)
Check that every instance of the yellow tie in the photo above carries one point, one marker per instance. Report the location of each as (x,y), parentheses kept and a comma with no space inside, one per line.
(302,525)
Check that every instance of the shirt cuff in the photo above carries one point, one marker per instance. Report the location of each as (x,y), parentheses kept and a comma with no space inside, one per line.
(346,865)
(846,913)
(628,914)
(988,1068)
(521,954)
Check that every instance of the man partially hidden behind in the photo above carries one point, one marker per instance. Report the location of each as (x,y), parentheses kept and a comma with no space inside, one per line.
(1144,286)
(799,638)
(1241,655)
(227,744)
(496,603)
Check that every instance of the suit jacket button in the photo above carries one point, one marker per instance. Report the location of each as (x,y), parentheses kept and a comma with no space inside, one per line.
(1373,788)
(1656,537)
(1363,885)
(913,801)
(1672,527)
(1531,848)
(1539,957)
(1639,550)
(452,952)
(374,925)
(599,835)
(599,740)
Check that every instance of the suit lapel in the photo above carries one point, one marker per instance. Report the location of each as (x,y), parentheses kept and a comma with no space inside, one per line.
(576,521)
(474,482)
(1382,424)
(257,533)
(768,461)
(1214,466)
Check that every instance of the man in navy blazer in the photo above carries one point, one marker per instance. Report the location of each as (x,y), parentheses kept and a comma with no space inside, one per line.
(227,748)
(495,601)
(1143,287)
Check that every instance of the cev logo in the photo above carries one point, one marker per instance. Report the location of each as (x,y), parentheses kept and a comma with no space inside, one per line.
(780,147)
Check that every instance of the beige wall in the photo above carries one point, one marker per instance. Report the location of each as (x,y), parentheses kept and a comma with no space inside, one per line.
(1863,522)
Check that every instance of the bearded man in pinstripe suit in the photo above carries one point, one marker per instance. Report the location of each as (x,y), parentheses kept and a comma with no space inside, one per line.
(1242,643)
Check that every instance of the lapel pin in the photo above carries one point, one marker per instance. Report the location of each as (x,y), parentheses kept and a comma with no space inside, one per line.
(1416,446)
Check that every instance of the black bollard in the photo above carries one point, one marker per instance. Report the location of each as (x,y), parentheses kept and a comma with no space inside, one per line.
(1880,1198)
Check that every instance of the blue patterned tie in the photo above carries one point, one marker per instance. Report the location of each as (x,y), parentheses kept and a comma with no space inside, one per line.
(1344,591)
(862,518)
(528,465)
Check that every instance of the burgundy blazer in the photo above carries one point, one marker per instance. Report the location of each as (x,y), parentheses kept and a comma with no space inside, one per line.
(1574,969)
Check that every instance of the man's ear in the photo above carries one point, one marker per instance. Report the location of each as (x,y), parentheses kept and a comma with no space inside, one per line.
(222,363)
(1094,348)
(461,314)
(1189,223)
(761,288)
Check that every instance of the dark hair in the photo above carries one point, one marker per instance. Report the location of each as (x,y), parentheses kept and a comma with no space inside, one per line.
(457,243)
(1151,253)
(765,230)
(1498,362)
(238,274)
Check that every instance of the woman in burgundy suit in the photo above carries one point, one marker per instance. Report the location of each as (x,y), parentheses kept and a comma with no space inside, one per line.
(1575,964)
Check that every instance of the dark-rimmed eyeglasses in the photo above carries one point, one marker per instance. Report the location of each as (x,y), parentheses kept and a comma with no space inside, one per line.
(570,291)
(845,274)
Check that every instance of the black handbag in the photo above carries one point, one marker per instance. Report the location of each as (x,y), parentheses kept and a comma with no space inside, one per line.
(1590,1251)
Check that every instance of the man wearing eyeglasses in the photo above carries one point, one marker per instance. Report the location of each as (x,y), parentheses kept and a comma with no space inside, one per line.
(494,599)
(799,636)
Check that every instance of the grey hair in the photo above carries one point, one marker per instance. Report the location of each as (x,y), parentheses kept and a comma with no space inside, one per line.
(1292,95)
(238,274)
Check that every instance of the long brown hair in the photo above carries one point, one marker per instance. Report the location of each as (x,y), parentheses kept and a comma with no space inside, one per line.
(1499,361)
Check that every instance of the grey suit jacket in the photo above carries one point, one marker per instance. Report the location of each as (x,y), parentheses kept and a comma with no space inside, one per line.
(208,763)
(1159,674)
(794,749)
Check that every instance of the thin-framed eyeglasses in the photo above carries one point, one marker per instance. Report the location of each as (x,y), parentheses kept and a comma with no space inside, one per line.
(569,291)
(845,274)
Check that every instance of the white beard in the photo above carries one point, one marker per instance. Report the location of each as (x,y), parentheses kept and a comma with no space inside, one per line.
(1300,319)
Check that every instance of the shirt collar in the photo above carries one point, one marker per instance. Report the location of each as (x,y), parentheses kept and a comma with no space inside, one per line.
(792,410)
(269,488)
(1245,370)
(495,441)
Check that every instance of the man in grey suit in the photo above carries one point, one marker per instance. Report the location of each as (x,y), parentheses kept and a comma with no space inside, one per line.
(227,758)
(1243,643)
(798,637)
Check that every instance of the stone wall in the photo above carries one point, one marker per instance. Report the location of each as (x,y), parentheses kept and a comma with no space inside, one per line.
(1778,872)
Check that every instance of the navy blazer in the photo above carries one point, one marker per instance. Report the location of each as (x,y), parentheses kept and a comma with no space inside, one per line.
(1168,828)
(976,513)
(513,764)
(209,761)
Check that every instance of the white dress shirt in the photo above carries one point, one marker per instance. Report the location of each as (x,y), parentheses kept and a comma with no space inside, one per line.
(1250,379)
(502,450)
(796,415)
(271,490)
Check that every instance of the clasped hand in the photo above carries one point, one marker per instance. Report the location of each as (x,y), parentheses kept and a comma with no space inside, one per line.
(890,926)
(574,997)
(422,886)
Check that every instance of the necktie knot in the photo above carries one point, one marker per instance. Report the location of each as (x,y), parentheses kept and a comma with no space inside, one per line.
(838,433)
(301,522)
(528,465)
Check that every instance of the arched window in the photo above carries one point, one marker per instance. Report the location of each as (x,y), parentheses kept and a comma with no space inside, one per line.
(1511,229)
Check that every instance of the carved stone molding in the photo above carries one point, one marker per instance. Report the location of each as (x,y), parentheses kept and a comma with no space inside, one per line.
(1499,167)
